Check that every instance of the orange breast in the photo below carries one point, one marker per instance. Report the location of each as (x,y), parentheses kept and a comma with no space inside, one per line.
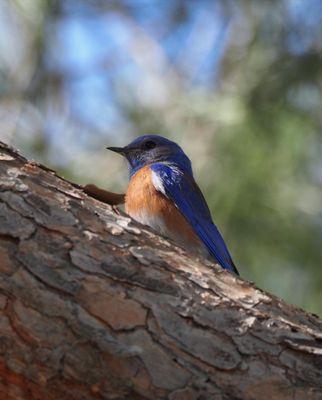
(150,207)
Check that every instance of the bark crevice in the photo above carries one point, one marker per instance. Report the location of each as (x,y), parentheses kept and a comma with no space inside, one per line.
(95,306)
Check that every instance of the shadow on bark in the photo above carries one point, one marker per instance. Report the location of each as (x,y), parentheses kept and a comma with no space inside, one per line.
(95,306)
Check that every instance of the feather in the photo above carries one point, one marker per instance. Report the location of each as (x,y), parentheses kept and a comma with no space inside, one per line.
(187,197)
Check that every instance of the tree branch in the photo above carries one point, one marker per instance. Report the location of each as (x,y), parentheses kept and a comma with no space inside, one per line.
(95,306)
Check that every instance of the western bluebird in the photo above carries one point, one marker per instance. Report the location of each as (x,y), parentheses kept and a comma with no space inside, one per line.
(163,194)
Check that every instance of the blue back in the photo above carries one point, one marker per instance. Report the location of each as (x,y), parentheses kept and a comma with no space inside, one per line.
(185,193)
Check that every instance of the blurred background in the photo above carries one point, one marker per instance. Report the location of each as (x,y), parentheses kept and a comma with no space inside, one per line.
(236,83)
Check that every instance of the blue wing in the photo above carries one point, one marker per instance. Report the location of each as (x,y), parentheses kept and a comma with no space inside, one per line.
(186,195)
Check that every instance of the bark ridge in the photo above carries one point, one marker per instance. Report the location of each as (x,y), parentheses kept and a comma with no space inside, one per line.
(95,306)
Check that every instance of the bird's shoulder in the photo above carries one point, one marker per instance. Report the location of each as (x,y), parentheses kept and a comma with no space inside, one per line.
(181,187)
(151,178)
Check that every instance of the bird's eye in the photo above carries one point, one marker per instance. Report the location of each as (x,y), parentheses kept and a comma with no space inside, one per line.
(148,145)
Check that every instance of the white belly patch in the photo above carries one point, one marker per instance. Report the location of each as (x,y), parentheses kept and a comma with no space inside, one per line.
(154,222)
(158,224)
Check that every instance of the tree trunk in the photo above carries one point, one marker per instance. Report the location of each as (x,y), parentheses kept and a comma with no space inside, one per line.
(95,306)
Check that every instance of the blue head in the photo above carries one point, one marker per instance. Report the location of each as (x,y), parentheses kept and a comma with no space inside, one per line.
(150,149)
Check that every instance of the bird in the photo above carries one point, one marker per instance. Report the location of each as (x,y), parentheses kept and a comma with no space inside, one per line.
(163,194)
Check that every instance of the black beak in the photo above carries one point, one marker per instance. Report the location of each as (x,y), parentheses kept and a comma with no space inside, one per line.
(120,150)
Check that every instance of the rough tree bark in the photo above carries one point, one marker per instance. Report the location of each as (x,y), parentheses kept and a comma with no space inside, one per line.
(94,306)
